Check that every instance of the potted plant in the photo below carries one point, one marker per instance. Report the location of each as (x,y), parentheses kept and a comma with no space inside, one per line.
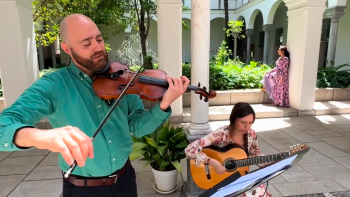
(163,150)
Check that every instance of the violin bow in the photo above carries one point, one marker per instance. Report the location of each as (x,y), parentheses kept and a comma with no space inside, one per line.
(72,167)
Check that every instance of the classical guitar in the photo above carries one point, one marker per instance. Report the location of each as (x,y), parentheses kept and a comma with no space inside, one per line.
(233,159)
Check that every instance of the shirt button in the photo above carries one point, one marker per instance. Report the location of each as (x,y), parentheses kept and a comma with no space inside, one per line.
(113,159)
(5,144)
(81,79)
(85,75)
(99,106)
(109,141)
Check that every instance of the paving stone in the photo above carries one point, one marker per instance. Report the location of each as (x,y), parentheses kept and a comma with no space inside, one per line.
(30,152)
(296,174)
(308,127)
(323,133)
(19,165)
(308,187)
(344,161)
(50,160)
(327,149)
(8,183)
(341,143)
(279,139)
(47,188)
(302,136)
(328,172)
(343,182)
(3,155)
(44,172)
(314,158)
(345,127)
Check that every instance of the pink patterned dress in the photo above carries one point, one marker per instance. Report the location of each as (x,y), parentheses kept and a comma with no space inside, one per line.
(220,138)
(276,82)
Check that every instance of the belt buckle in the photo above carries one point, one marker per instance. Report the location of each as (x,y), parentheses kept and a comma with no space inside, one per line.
(116,177)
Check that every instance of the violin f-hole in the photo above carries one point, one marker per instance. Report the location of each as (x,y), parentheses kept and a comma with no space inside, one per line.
(121,87)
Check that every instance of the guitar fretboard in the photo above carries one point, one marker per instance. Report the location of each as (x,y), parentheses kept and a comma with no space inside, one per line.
(260,160)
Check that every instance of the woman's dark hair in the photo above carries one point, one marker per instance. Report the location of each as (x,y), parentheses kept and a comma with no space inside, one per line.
(285,51)
(240,110)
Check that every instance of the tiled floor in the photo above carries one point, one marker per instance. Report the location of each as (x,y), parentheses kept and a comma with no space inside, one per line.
(325,168)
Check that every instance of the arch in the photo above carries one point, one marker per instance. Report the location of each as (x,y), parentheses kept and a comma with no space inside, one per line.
(272,12)
(241,18)
(215,16)
(252,18)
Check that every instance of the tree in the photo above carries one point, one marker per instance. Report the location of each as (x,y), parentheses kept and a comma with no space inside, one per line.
(142,11)
(226,17)
(47,15)
(235,29)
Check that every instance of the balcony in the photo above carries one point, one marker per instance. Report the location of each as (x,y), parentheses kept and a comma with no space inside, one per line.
(219,4)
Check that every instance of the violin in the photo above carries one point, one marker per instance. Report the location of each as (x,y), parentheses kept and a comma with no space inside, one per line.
(149,85)
(116,80)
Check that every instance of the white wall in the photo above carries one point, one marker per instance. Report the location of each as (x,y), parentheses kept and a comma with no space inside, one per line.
(342,55)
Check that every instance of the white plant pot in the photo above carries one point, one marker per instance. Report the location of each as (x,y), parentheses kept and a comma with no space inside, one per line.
(166,182)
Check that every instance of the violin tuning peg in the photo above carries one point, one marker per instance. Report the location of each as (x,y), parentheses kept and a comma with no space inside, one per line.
(200,97)
(199,84)
(206,99)
(204,88)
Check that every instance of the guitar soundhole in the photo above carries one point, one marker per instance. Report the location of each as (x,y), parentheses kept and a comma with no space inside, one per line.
(230,165)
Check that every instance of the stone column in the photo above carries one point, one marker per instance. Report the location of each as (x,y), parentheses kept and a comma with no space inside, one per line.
(334,13)
(267,29)
(200,43)
(19,61)
(249,33)
(303,42)
(169,17)
(200,47)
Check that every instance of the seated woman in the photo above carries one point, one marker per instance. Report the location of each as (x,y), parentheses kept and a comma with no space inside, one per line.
(276,81)
(238,133)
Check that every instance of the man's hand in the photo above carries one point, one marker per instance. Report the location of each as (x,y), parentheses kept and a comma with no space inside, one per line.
(71,142)
(176,88)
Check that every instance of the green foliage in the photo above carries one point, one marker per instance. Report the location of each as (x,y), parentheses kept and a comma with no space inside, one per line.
(48,14)
(235,29)
(162,149)
(333,77)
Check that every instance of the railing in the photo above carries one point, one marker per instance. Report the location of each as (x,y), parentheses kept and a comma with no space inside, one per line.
(219,4)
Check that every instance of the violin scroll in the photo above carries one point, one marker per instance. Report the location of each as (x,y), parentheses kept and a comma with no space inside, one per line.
(203,93)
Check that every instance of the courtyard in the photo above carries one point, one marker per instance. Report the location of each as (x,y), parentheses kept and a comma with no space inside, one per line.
(325,168)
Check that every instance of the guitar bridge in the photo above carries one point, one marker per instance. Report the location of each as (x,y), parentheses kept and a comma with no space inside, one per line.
(207,171)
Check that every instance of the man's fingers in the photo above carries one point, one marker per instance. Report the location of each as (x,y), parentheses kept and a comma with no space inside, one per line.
(170,81)
(63,149)
(81,139)
(187,82)
(75,150)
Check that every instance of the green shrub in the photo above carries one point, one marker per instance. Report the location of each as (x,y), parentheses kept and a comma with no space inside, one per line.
(333,77)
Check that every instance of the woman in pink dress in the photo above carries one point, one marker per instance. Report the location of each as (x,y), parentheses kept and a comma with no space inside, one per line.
(276,82)
(239,134)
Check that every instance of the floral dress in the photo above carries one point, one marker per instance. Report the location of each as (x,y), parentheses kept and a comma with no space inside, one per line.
(276,82)
(220,138)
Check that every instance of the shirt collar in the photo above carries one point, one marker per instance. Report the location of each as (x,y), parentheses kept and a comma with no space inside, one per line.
(78,73)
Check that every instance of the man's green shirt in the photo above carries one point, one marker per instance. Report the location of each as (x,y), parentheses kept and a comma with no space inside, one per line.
(66,98)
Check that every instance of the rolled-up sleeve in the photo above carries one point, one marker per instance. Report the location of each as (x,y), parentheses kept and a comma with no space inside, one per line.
(34,104)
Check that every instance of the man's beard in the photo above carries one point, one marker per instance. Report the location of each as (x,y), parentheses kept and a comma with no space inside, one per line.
(88,63)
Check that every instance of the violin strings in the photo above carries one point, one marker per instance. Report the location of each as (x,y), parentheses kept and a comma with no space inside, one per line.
(156,81)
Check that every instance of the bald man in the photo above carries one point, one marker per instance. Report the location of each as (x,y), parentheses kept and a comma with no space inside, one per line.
(67,99)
